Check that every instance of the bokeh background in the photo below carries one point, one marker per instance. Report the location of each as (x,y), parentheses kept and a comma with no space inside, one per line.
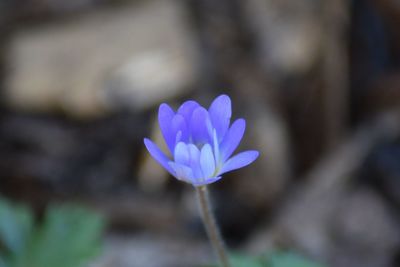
(317,81)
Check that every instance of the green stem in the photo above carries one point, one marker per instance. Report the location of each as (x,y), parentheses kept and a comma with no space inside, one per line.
(211,226)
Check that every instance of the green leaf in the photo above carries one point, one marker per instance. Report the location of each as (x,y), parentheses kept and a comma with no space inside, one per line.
(3,262)
(16,223)
(245,261)
(273,259)
(288,259)
(69,236)
(238,260)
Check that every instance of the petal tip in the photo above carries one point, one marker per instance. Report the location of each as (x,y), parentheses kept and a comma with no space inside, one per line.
(224,97)
(241,121)
(147,141)
(254,154)
(239,161)
(164,107)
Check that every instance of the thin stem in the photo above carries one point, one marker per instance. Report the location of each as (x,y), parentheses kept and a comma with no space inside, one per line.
(211,226)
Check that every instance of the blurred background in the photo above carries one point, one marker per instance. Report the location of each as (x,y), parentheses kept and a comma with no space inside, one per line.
(317,81)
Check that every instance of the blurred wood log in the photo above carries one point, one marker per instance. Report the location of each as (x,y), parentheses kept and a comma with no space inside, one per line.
(71,66)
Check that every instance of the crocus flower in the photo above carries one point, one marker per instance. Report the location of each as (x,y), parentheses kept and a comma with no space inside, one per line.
(200,141)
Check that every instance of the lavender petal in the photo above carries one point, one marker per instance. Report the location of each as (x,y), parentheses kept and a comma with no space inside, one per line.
(158,155)
(217,154)
(181,154)
(187,108)
(238,161)
(206,181)
(232,139)
(179,126)
(199,126)
(194,154)
(220,113)
(183,172)
(207,161)
(165,116)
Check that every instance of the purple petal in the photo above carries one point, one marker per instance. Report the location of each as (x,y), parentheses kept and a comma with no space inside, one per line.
(181,154)
(187,108)
(220,114)
(194,154)
(232,139)
(178,137)
(158,155)
(207,161)
(240,160)
(206,181)
(179,130)
(183,172)
(217,154)
(200,126)
(165,116)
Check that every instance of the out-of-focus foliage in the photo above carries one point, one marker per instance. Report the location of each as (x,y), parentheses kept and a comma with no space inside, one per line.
(68,236)
(288,259)
(275,259)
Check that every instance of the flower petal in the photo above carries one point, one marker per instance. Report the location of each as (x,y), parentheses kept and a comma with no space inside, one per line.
(187,108)
(158,155)
(217,155)
(240,160)
(232,139)
(183,172)
(220,114)
(200,126)
(165,116)
(179,130)
(207,161)
(181,154)
(207,181)
(194,154)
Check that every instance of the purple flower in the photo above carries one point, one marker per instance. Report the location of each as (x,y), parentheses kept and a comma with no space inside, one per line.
(200,141)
